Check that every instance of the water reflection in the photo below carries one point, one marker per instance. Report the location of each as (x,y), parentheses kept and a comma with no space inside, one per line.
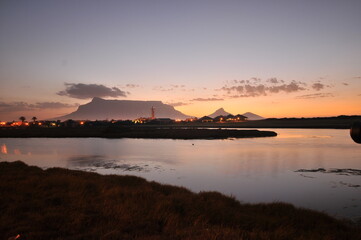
(252,170)
(4,149)
(96,162)
(85,160)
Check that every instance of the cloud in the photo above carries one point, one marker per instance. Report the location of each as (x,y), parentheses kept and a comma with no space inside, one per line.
(172,87)
(318,86)
(23,106)
(233,88)
(315,95)
(178,86)
(206,99)
(287,88)
(132,86)
(255,88)
(47,105)
(358,77)
(162,89)
(254,91)
(84,91)
(275,80)
(15,107)
(346,84)
(178,104)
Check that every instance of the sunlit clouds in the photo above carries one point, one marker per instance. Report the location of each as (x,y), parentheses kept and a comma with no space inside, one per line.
(256,87)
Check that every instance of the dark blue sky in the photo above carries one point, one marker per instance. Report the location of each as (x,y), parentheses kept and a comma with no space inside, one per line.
(146,48)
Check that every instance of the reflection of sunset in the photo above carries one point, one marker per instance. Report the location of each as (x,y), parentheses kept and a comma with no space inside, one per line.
(17,152)
(4,149)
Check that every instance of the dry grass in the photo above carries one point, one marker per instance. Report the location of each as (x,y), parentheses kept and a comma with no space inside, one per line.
(64,204)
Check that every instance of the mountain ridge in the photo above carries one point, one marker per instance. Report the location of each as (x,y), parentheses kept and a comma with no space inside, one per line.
(101,109)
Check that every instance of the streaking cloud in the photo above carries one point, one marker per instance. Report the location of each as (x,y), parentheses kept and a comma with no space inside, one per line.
(315,95)
(23,106)
(207,99)
(178,104)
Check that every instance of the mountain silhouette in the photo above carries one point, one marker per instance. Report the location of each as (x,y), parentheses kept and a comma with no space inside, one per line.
(219,112)
(249,115)
(101,109)
(252,116)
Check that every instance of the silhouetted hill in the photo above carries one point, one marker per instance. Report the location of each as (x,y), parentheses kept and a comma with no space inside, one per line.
(100,109)
(249,115)
(252,116)
(219,112)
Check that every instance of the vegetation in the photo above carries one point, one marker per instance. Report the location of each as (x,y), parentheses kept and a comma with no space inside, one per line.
(22,119)
(65,204)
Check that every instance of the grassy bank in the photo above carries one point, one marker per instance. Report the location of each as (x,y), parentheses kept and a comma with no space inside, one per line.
(133,132)
(65,204)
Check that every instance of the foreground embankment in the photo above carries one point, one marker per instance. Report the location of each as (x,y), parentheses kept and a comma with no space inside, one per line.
(133,132)
(66,204)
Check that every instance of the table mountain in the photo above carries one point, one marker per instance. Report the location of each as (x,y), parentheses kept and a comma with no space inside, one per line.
(101,109)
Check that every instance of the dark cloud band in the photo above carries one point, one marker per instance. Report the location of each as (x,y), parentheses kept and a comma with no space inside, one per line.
(85,91)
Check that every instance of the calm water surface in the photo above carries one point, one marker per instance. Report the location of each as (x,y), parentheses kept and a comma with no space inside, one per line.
(252,170)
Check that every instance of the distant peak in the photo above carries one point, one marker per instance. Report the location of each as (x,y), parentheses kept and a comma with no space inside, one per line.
(96,99)
(219,112)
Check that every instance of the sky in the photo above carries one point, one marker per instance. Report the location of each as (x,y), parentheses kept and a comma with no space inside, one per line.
(275,58)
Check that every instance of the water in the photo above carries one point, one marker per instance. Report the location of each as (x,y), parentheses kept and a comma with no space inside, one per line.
(253,170)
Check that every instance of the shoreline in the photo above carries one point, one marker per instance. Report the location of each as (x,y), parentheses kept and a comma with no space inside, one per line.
(132,132)
(59,203)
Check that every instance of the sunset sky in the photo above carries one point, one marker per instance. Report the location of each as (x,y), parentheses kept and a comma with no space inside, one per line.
(285,58)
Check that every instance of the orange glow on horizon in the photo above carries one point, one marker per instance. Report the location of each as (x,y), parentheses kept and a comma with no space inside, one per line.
(278,108)
(17,152)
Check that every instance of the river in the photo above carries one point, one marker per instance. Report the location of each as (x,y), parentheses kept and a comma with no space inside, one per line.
(252,170)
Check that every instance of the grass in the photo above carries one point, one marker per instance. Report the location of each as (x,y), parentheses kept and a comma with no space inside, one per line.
(66,204)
